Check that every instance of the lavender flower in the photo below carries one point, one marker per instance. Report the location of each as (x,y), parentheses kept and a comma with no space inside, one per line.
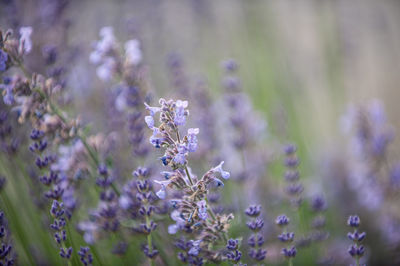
(25,42)
(192,139)
(3,60)
(256,240)
(192,212)
(356,250)
(133,52)
(138,201)
(191,250)
(85,256)
(293,188)
(7,256)
(223,173)
(8,94)
(253,210)
(286,237)
(180,113)
(233,254)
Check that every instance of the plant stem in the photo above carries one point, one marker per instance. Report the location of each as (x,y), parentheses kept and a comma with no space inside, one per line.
(95,254)
(19,231)
(149,241)
(290,262)
(188,175)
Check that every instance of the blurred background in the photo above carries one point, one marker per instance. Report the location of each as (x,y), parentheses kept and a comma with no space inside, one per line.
(304,65)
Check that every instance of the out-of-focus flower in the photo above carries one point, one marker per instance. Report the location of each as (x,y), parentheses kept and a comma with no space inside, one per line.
(180,113)
(356,250)
(3,60)
(85,256)
(256,240)
(283,221)
(25,42)
(133,52)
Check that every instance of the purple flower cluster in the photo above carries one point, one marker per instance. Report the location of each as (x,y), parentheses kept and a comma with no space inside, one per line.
(356,250)
(85,256)
(233,254)
(256,240)
(318,205)
(286,237)
(294,188)
(7,256)
(3,60)
(51,180)
(138,201)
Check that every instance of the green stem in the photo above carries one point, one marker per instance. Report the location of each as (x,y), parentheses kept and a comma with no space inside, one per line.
(357,257)
(290,262)
(65,248)
(95,254)
(19,232)
(149,241)
(188,175)
(71,242)
(213,216)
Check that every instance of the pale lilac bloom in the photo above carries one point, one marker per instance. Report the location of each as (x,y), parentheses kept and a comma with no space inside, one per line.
(224,174)
(163,183)
(154,139)
(180,117)
(90,231)
(8,97)
(103,46)
(192,139)
(180,222)
(162,192)
(202,205)
(195,249)
(152,110)
(3,60)
(133,52)
(105,70)
(25,42)
(180,156)
(120,102)
(124,202)
(149,121)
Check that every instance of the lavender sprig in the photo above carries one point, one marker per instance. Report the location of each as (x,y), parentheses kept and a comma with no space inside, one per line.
(192,211)
(256,240)
(286,237)
(357,249)
(7,256)
(294,188)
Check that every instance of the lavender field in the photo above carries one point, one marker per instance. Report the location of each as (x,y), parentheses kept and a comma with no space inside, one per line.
(199,132)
